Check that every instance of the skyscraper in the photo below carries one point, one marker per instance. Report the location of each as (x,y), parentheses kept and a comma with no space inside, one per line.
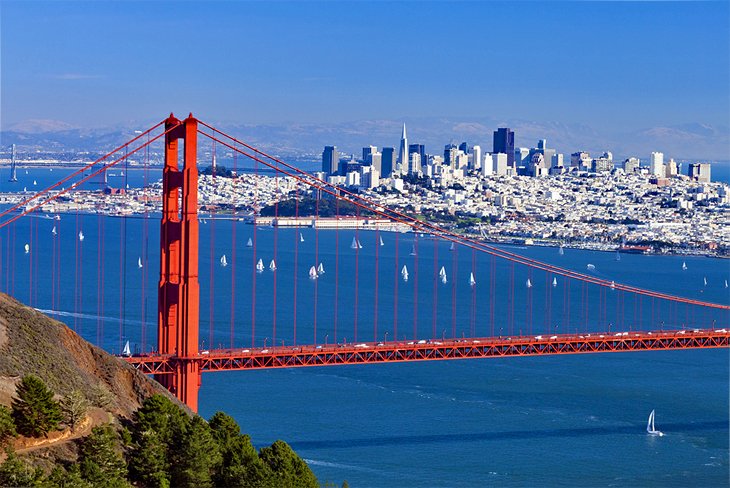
(403,151)
(386,162)
(420,149)
(656,164)
(476,159)
(504,142)
(330,158)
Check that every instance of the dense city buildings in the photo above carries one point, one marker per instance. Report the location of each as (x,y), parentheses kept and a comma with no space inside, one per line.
(537,193)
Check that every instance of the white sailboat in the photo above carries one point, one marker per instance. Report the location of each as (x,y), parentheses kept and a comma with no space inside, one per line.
(224,261)
(381,241)
(705,279)
(81,236)
(528,283)
(684,266)
(725,283)
(53,231)
(413,250)
(442,274)
(301,237)
(320,269)
(249,243)
(260,266)
(560,250)
(126,351)
(312,273)
(472,281)
(27,248)
(555,281)
(404,273)
(359,246)
(452,247)
(272,265)
(650,429)
(35,183)
(139,262)
(353,245)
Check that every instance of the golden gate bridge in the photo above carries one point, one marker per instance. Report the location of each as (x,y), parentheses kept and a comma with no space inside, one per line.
(513,326)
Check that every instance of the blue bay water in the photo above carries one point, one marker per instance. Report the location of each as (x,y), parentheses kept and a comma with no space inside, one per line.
(562,420)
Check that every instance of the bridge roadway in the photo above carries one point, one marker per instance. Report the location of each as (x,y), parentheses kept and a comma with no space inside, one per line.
(429,350)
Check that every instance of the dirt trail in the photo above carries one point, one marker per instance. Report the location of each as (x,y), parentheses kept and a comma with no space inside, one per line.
(94,418)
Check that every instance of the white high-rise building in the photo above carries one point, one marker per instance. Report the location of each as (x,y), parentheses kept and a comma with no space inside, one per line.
(500,163)
(487,165)
(656,164)
(476,157)
(403,152)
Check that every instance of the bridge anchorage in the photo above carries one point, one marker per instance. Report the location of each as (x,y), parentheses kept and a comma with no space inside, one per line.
(179,361)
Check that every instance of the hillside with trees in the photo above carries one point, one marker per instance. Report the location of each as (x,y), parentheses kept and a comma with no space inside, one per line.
(73,416)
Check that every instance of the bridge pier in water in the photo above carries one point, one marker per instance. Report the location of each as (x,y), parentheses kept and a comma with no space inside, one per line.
(179,290)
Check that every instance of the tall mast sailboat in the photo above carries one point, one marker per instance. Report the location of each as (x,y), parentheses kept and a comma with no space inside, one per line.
(650,429)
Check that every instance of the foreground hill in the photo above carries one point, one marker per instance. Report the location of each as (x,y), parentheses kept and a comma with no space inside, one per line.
(32,343)
(129,432)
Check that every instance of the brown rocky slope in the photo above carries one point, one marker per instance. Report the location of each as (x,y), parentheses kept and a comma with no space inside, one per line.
(32,343)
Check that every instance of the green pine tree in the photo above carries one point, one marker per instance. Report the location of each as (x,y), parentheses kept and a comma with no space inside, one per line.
(160,415)
(101,463)
(148,461)
(7,426)
(35,412)
(240,465)
(16,472)
(288,469)
(197,457)
(62,478)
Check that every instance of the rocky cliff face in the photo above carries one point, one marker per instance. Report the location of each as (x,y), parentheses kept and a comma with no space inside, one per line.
(32,343)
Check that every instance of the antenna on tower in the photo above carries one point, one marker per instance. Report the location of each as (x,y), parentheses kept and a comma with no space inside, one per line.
(13,175)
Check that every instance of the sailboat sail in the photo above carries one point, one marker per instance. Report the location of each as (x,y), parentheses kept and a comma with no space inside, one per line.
(705,281)
(249,243)
(381,241)
(320,269)
(53,231)
(81,236)
(453,246)
(126,351)
(684,266)
(529,283)
(27,248)
(312,273)
(413,250)
(260,266)
(555,281)
(404,273)
(650,428)
(272,265)
(442,274)
(560,251)
(301,237)
(472,281)
(224,261)
(354,244)
(139,262)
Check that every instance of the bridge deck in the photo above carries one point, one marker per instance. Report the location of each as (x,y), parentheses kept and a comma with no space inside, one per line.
(402,351)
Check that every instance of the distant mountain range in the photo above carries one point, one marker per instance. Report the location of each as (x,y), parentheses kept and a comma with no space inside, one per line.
(305,141)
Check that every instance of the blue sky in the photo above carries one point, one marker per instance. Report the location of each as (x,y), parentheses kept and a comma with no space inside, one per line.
(607,64)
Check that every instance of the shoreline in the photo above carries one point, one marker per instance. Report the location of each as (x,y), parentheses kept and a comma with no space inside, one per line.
(378,225)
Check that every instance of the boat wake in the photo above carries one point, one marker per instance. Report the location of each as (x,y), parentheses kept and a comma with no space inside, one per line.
(61,313)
